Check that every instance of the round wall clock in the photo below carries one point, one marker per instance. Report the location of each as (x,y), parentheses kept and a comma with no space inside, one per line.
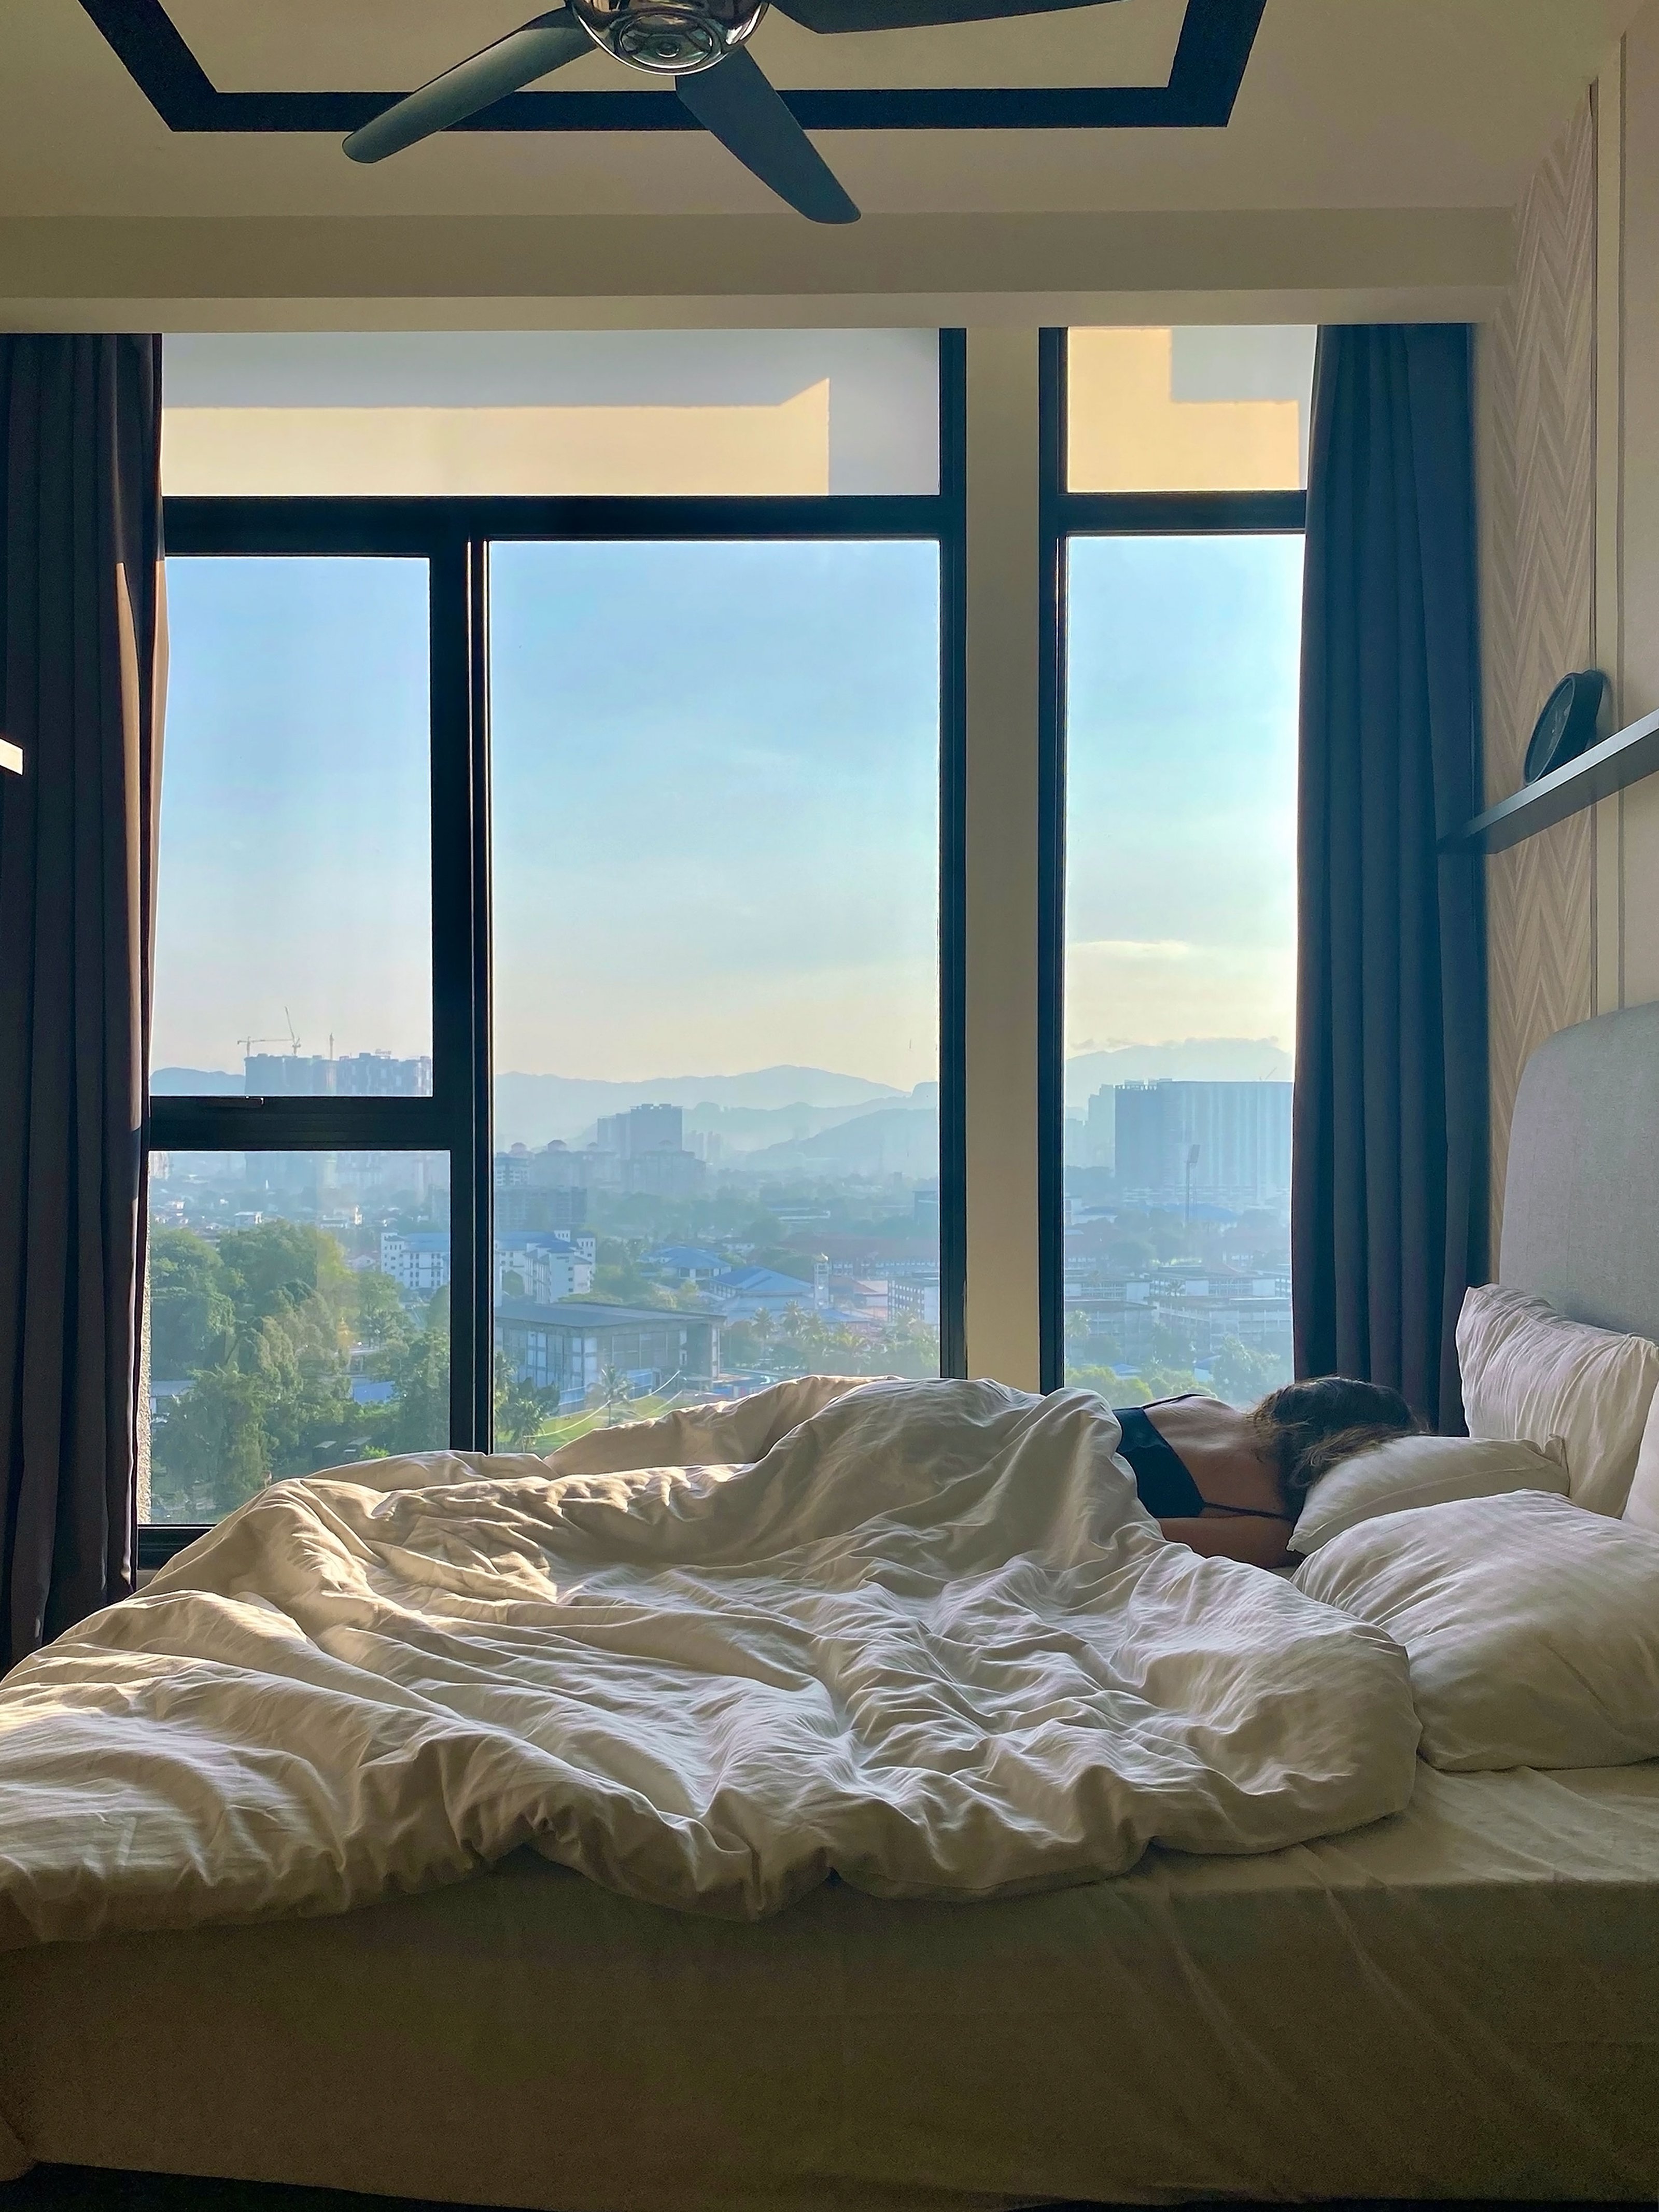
(1570,722)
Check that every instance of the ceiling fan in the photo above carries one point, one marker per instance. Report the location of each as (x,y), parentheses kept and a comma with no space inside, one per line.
(702,46)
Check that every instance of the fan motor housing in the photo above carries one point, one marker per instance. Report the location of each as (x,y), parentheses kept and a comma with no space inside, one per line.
(671,38)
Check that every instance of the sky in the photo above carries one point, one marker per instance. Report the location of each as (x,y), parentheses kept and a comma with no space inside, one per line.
(1181,824)
(715,806)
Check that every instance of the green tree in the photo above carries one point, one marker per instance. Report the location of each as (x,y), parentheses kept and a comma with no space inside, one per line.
(747,1343)
(1163,1381)
(285,1271)
(1242,1376)
(1171,1343)
(210,1455)
(1106,1383)
(417,1419)
(192,1322)
(377,1313)
(520,1410)
(613,1393)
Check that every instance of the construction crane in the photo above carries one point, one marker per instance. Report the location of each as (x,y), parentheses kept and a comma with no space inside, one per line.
(292,1039)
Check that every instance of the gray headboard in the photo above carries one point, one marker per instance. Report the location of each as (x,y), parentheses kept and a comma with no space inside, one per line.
(1581,1200)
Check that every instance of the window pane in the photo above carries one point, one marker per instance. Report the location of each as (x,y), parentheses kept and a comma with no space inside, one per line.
(552,412)
(294,898)
(1179,962)
(716,851)
(1196,409)
(299,1319)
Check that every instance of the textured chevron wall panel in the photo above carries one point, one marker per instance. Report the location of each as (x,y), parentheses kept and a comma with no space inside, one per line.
(1537,372)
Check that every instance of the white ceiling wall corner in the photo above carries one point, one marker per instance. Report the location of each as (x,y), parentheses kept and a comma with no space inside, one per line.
(1297,264)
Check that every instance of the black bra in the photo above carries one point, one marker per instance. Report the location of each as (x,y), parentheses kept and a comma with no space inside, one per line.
(1162,1482)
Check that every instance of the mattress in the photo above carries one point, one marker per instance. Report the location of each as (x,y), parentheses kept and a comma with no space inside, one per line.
(1460,2000)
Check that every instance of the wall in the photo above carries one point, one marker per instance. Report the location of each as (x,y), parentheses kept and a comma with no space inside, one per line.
(1537,378)
(1570,465)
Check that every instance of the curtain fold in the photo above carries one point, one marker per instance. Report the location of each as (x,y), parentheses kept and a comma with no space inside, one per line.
(1388,1203)
(80,620)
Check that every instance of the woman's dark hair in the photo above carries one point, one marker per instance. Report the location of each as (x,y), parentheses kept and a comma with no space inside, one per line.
(1307,1427)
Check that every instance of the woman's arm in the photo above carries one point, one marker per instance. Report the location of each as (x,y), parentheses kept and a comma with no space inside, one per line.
(1233,1536)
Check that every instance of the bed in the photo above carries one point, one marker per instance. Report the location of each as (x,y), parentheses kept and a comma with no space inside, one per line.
(1460,2000)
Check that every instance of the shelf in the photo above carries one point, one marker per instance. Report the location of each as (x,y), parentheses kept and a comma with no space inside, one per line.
(1624,758)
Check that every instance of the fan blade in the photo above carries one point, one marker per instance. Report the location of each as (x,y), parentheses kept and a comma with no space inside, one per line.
(537,48)
(913,15)
(734,101)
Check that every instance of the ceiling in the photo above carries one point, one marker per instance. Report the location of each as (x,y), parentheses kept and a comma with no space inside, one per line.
(1377,143)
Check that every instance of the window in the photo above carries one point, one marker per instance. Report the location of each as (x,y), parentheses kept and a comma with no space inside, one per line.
(299,1319)
(1174,960)
(294,927)
(575,414)
(716,936)
(710,739)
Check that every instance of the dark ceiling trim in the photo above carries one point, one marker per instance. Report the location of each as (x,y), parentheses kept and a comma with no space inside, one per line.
(1211,56)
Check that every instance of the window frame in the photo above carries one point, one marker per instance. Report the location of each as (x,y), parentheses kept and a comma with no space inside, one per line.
(454,535)
(1064,514)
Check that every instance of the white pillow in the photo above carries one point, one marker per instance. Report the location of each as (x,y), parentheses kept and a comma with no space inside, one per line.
(1531,1627)
(1528,1373)
(1410,1471)
(1642,1506)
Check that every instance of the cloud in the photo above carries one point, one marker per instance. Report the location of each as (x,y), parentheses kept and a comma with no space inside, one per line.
(1161,990)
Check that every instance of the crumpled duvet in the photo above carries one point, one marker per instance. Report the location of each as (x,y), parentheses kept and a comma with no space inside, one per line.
(927,1640)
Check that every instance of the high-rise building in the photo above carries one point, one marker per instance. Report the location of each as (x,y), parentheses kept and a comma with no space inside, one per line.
(1100,1128)
(643,1129)
(356,1075)
(1226,1143)
(287,1075)
(519,1207)
(378,1075)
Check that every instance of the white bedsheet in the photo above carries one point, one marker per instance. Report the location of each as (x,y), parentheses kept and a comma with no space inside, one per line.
(929,1641)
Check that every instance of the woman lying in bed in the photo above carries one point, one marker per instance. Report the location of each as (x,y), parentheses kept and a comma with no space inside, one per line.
(1231,1484)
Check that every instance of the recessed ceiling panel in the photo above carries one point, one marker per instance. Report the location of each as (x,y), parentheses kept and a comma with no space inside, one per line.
(238,66)
(377,45)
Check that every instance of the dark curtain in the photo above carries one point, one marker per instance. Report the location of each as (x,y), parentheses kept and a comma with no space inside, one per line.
(1389,1205)
(79,585)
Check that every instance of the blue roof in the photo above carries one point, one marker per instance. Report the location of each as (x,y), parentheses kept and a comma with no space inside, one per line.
(761,1282)
(685,1255)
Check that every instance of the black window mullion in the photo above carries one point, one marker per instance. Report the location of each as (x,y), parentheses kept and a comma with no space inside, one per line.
(296,1125)
(1052,525)
(482,1072)
(952,869)
(1165,514)
(459,1033)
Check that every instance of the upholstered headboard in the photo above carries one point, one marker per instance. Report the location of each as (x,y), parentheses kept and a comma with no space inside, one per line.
(1581,1200)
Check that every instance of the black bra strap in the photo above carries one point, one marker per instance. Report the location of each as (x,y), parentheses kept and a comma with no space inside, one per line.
(1248,1512)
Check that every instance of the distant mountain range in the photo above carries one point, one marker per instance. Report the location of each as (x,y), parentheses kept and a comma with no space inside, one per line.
(779,1114)
(534,1109)
(879,1141)
(194,1083)
(1199,1060)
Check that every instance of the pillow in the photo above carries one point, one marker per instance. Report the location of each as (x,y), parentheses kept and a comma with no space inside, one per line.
(1423,1470)
(1642,1506)
(1531,1627)
(1526,1373)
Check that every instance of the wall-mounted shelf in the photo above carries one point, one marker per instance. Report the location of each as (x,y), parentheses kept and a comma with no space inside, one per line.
(11,757)
(1624,758)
